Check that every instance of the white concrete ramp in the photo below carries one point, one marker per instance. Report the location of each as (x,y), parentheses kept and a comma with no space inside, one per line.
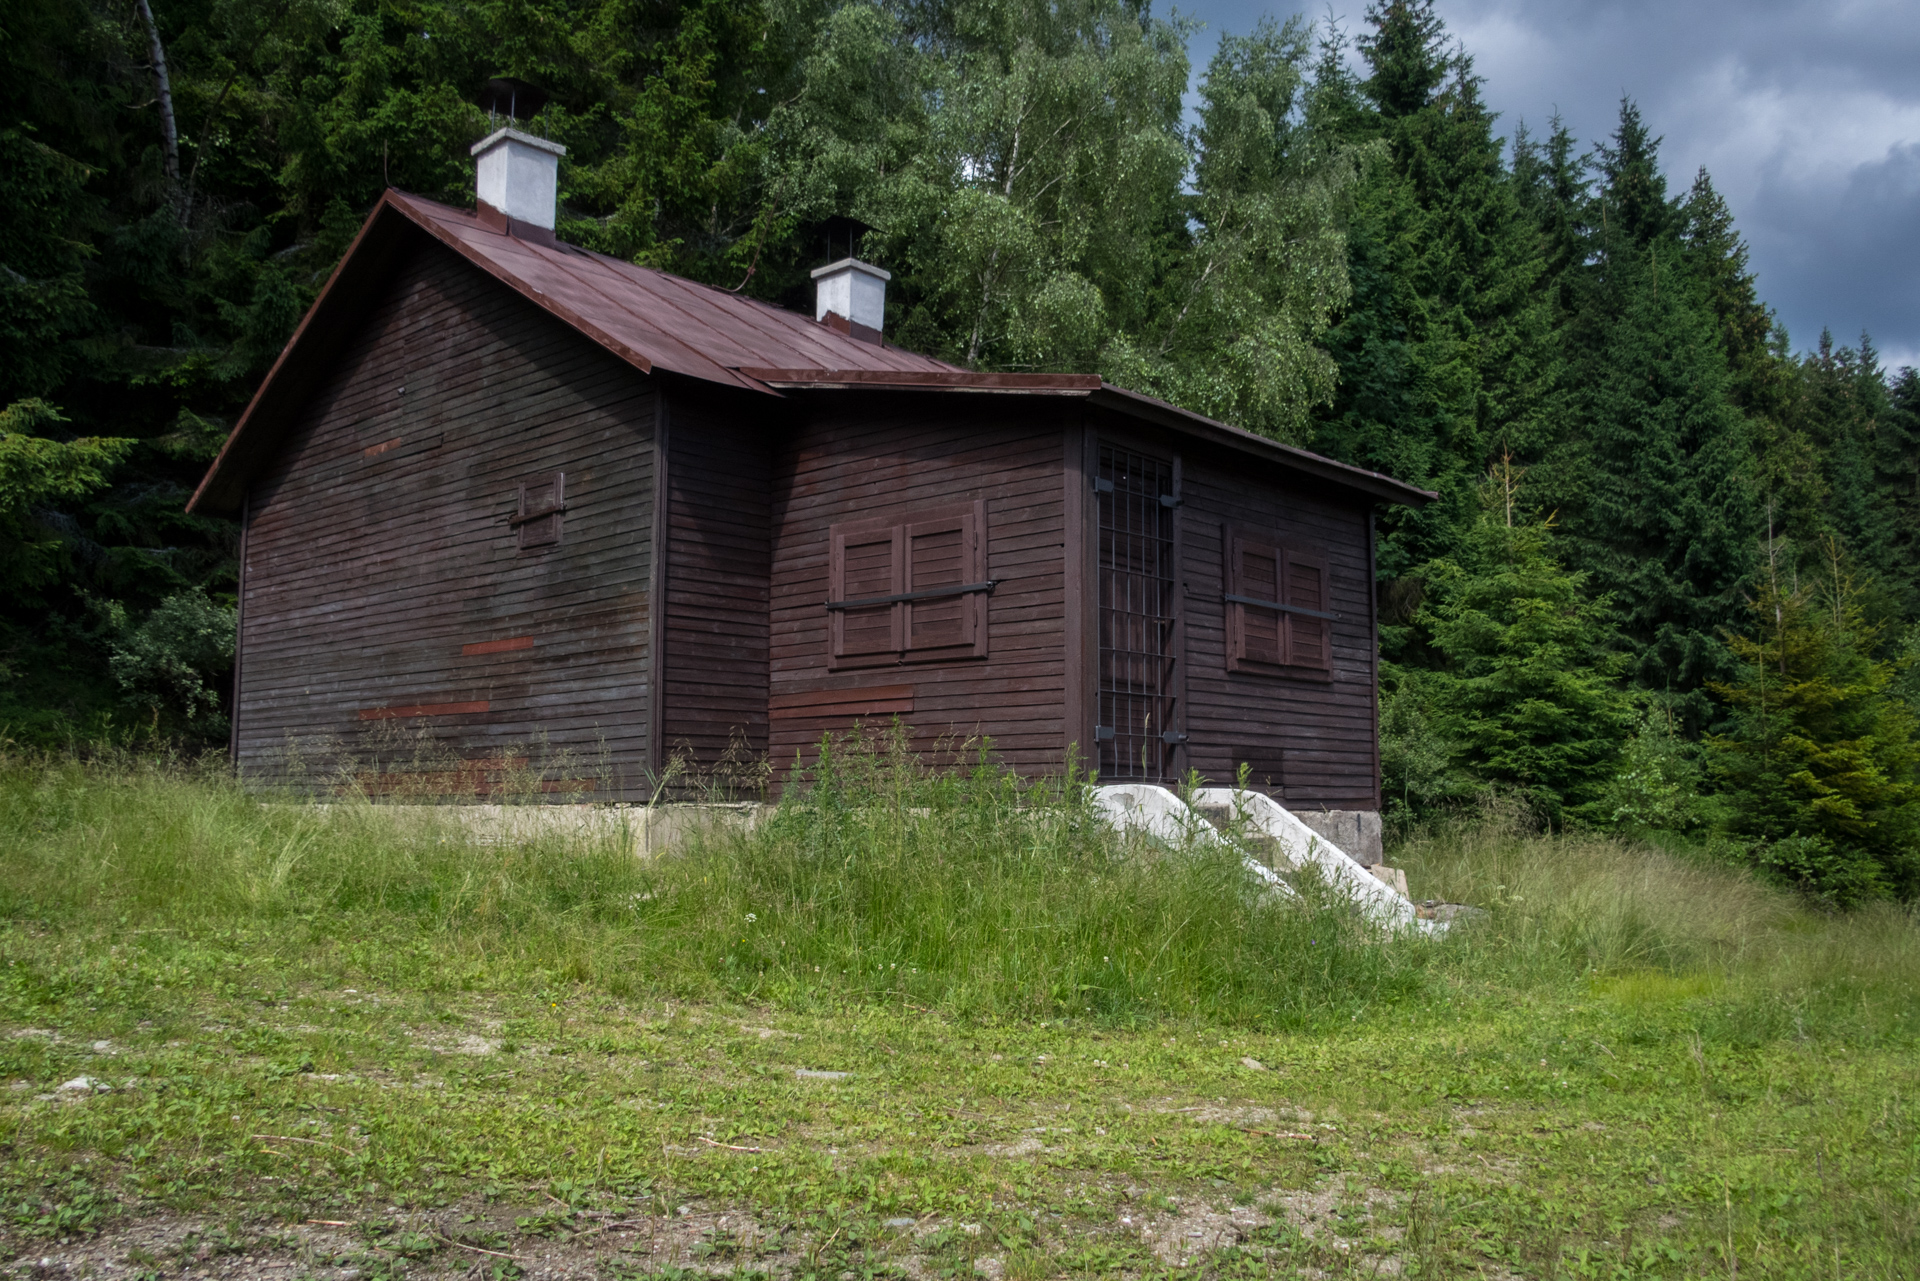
(1157,812)
(1153,810)
(1300,845)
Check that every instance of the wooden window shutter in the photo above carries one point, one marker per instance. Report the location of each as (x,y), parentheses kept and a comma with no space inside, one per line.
(909,591)
(866,565)
(1255,634)
(1309,639)
(1277,605)
(945,551)
(542,506)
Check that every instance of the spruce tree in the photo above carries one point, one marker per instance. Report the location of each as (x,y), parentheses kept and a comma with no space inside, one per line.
(1526,687)
(1653,475)
(1821,754)
(1846,456)
(1717,258)
(1443,353)
(1897,477)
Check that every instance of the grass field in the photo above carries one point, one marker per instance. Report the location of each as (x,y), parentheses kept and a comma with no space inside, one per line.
(932,1026)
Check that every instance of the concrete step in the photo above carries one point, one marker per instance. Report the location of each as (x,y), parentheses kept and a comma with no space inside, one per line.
(1272,840)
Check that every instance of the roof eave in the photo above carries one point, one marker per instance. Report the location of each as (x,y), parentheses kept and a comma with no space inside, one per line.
(1372,484)
(222,488)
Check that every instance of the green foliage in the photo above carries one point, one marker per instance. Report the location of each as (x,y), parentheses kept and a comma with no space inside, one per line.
(1420,771)
(1657,785)
(1240,312)
(35,471)
(175,660)
(1526,683)
(1821,757)
(1654,478)
(44,307)
(1444,354)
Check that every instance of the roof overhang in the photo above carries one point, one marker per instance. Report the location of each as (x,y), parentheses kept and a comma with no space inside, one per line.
(361,272)
(1372,484)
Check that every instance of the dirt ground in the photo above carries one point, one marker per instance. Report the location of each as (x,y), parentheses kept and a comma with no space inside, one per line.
(497,1242)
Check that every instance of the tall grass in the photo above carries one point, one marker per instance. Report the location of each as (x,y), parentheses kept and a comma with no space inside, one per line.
(971,889)
(1657,927)
(961,888)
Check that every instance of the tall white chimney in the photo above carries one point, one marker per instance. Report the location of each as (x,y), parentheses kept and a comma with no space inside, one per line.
(519,175)
(856,293)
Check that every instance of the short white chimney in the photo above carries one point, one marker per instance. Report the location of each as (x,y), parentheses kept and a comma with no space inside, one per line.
(519,175)
(855,292)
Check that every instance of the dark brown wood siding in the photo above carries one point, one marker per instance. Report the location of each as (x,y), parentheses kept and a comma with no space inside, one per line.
(877,456)
(1310,740)
(718,529)
(387,596)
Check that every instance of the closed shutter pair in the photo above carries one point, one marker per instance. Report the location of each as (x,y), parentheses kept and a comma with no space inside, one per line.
(910,590)
(1278,607)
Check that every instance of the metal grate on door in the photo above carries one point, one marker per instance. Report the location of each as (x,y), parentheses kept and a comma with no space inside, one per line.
(1136,733)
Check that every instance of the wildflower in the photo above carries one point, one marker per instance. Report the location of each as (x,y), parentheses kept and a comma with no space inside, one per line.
(751,918)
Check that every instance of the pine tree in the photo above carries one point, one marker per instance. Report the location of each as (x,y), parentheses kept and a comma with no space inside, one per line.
(1821,757)
(1654,473)
(1443,353)
(1527,685)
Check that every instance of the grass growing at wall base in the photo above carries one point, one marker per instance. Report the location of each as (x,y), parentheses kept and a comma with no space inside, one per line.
(966,889)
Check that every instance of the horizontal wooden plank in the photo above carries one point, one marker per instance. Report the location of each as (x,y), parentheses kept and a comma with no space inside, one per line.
(409,711)
(503,646)
(846,695)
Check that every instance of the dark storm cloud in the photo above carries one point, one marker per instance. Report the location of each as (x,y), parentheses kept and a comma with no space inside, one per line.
(1806,114)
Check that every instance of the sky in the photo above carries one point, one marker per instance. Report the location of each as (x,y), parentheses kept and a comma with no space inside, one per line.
(1805,112)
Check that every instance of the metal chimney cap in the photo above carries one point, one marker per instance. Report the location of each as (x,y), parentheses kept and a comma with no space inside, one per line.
(513,98)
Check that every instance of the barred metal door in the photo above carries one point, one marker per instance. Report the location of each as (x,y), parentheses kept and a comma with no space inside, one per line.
(1136,732)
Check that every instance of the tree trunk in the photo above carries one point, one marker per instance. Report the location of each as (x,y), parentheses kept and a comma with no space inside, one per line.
(169,131)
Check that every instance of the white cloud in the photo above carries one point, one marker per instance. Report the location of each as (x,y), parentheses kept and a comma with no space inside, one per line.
(1806,114)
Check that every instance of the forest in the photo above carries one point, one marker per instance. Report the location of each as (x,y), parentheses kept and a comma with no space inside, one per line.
(1670,585)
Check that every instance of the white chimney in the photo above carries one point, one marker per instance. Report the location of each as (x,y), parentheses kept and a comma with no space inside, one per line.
(519,175)
(854,291)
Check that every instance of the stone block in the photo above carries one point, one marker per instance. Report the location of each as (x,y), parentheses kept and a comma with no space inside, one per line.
(1357,832)
(1391,876)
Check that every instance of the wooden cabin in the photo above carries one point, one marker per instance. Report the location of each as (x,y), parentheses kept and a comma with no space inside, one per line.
(502,490)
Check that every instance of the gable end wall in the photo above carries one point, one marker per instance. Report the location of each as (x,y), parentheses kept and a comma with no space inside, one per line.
(379,554)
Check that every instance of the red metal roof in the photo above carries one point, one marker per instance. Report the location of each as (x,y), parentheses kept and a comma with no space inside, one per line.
(651,318)
(654,320)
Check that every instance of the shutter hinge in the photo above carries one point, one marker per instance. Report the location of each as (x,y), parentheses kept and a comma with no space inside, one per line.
(1103,733)
(1172,737)
(1101,485)
(1171,500)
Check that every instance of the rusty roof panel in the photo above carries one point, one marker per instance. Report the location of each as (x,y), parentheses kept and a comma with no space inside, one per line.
(668,321)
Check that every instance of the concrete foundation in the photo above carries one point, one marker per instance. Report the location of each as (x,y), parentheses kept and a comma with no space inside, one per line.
(645,830)
(1358,832)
